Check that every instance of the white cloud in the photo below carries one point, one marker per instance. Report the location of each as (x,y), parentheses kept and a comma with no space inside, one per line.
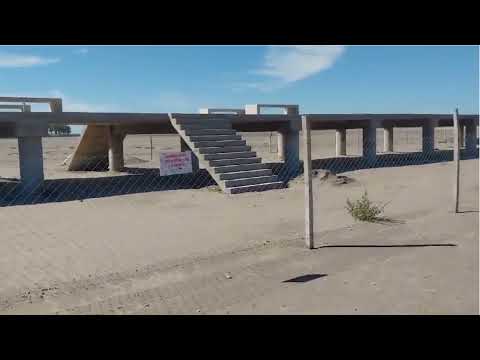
(81,51)
(75,105)
(296,62)
(10,60)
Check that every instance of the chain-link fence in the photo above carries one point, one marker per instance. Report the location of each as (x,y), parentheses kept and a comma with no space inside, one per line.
(134,241)
(386,184)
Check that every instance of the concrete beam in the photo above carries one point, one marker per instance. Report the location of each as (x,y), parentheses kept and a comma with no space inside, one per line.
(221,111)
(388,139)
(340,142)
(54,103)
(255,109)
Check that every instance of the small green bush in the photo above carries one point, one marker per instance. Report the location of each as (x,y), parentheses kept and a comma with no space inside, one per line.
(364,209)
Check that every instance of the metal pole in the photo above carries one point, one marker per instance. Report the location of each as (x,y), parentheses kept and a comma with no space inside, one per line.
(307,174)
(456,157)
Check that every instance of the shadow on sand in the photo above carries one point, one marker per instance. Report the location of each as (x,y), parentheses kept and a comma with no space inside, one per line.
(382,246)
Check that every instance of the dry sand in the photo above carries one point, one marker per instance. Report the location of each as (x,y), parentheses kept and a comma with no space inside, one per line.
(199,251)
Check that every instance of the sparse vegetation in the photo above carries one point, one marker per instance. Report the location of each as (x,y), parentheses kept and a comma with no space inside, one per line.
(364,209)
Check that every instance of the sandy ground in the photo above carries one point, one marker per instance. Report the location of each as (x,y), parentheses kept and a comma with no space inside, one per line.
(197,251)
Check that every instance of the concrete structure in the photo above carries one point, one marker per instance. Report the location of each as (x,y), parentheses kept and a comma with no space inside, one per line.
(224,154)
(286,138)
(471,138)
(428,136)
(220,111)
(340,142)
(369,140)
(388,139)
(212,137)
(29,135)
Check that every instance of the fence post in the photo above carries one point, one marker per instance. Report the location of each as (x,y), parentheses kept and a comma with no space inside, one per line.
(307,174)
(456,158)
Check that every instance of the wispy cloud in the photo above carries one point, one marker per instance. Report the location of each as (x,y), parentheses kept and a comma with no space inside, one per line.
(283,65)
(76,105)
(81,51)
(297,62)
(10,60)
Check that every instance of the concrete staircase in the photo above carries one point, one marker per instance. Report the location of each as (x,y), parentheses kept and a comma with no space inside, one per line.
(225,155)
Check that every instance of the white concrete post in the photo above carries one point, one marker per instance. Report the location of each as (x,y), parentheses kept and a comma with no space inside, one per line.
(340,142)
(456,159)
(115,150)
(471,138)
(281,145)
(428,136)
(307,174)
(461,135)
(31,160)
(370,143)
(30,153)
(388,139)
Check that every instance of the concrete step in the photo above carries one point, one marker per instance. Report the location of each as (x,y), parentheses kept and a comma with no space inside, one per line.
(207,125)
(251,181)
(221,143)
(231,155)
(256,187)
(237,161)
(196,132)
(221,150)
(203,138)
(241,167)
(244,174)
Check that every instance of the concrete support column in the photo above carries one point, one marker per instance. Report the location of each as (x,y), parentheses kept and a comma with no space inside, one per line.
(115,150)
(471,138)
(461,135)
(428,137)
(388,139)
(31,160)
(370,143)
(340,142)
(281,143)
(292,150)
(184,147)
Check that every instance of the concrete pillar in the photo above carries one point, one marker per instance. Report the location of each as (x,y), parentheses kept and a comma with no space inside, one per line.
(471,138)
(388,139)
(369,135)
(281,143)
(292,150)
(428,137)
(461,135)
(340,142)
(184,147)
(31,160)
(115,150)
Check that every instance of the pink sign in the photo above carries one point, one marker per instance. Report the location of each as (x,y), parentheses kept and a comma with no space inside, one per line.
(173,163)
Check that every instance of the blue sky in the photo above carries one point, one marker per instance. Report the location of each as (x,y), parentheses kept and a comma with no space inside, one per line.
(322,79)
